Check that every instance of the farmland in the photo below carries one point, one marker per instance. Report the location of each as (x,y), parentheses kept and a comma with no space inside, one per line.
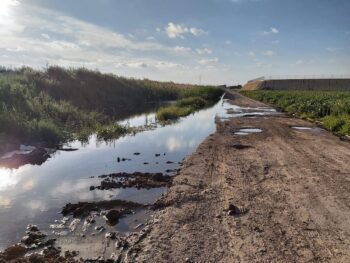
(330,108)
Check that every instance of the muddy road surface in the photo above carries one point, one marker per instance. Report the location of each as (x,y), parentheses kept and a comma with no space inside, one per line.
(278,194)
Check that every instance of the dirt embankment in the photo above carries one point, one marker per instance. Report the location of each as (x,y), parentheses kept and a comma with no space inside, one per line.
(281,195)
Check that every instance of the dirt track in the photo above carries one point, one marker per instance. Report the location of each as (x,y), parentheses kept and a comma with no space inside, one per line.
(291,188)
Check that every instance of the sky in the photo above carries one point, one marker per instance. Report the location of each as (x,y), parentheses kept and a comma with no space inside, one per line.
(186,41)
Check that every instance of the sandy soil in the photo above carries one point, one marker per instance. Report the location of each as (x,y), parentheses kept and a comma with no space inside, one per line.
(284,199)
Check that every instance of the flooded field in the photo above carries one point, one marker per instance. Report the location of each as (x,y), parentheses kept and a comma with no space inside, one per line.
(36,194)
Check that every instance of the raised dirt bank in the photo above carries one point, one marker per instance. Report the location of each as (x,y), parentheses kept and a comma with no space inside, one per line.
(281,195)
(300,84)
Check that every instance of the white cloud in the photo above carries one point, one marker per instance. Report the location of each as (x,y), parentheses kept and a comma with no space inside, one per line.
(45,36)
(177,30)
(299,62)
(272,31)
(228,42)
(197,31)
(132,64)
(251,54)
(269,53)
(332,49)
(15,49)
(260,64)
(208,61)
(181,49)
(204,51)
(76,44)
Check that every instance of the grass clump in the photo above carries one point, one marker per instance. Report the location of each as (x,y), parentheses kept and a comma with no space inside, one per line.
(112,131)
(191,100)
(173,113)
(331,108)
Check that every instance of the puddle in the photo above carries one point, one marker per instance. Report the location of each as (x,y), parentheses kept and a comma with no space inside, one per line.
(251,130)
(305,128)
(302,128)
(235,111)
(247,131)
(241,133)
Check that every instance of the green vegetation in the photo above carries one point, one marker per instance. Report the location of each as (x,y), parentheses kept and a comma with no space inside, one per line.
(112,131)
(191,100)
(331,108)
(56,104)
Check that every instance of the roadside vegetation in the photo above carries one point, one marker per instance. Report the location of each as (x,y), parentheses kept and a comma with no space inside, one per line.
(57,104)
(330,108)
(191,100)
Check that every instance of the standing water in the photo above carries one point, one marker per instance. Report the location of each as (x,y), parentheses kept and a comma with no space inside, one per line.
(35,194)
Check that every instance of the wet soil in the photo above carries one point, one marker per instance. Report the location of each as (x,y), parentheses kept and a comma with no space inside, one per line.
(284,198)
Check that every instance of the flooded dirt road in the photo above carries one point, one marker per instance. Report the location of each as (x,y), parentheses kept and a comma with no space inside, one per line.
(269,193)
(86,180)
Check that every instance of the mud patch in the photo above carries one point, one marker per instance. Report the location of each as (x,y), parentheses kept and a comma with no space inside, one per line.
(241,146)
(137,180)
(83,209)
(17,253)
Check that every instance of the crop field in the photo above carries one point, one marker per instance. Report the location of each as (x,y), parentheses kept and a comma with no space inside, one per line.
(331,108)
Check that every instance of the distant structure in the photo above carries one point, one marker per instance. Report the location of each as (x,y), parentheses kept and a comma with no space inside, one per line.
(325,83)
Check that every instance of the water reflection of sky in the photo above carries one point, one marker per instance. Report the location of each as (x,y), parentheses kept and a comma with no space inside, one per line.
(36,194)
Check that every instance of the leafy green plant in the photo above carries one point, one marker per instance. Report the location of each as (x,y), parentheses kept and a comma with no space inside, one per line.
(332,108)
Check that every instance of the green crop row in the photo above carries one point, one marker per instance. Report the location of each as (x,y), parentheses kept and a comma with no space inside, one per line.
(331,108)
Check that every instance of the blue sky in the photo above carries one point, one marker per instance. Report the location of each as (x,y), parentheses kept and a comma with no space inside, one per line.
(217,41)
